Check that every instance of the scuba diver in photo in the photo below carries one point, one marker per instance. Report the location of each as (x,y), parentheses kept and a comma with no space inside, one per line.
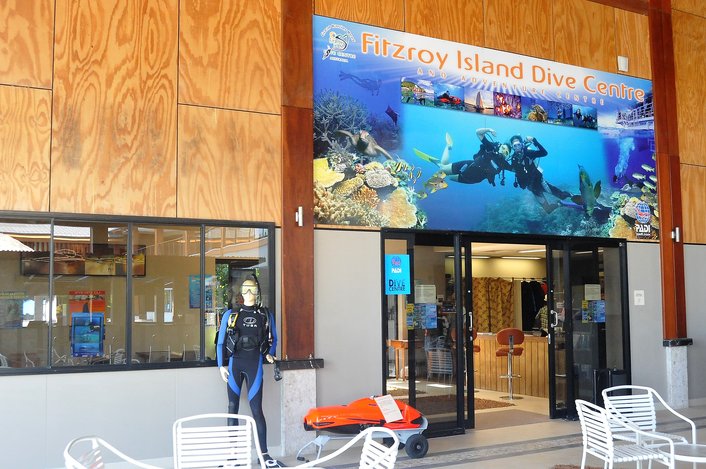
(529,176)
(485,165)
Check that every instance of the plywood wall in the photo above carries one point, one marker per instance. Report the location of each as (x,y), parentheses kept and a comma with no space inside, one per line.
(94,94)
(689,31)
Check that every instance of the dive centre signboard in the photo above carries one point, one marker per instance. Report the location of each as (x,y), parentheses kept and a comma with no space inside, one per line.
(415,132)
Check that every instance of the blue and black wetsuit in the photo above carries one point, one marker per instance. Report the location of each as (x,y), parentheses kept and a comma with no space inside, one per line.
(253,332)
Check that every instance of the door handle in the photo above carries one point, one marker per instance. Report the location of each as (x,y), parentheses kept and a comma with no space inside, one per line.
(555,322)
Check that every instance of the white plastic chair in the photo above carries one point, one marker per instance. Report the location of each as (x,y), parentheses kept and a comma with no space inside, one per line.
(374,455)
(206,440)
(3,361)
(638,408)
(92,452)
(599,439)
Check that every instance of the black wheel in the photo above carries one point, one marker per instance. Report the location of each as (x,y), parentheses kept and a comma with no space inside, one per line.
(388,442)
(417,446)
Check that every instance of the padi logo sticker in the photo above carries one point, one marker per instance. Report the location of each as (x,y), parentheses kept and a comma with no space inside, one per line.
(642,212)
(339,38)
(643,230)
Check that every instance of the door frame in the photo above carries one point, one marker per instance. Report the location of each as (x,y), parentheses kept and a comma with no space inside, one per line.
(567,246)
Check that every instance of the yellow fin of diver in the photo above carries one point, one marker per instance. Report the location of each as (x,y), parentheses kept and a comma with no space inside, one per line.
(426,157)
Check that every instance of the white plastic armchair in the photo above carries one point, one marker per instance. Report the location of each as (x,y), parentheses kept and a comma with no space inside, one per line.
(374,455)
(92,452)
(206,440)
(637,405)
(599,440)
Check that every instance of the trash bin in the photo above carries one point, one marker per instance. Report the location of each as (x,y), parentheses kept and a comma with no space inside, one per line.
(605,378)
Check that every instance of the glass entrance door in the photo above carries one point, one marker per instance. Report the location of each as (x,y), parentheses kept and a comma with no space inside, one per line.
(588,329)
(425,359)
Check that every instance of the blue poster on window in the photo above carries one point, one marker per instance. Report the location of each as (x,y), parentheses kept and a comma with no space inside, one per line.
(87,334)
(397,280)
(417,132)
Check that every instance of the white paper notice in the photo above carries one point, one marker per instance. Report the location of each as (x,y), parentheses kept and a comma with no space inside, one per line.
(592,291)
(388,406)
(425,294)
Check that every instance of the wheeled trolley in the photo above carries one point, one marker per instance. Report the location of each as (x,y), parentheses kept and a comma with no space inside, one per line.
(345,421)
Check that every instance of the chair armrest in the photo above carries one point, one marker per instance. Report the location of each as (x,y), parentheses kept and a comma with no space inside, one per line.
(643,435)
(97,445)
(680,416)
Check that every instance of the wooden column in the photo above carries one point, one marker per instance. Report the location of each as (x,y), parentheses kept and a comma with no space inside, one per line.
(297,181)
(669,187)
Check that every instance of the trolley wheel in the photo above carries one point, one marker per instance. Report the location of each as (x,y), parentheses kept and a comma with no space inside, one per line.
(417,446)
(389,441)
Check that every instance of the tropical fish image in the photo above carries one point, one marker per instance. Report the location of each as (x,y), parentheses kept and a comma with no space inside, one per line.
(421,195)
(653,178)
(638,176)
(649,185)
(436,182)
(589,193)
(393,115)
(647,168)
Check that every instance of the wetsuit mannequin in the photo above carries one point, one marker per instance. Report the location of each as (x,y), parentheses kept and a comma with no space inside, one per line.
(247,336)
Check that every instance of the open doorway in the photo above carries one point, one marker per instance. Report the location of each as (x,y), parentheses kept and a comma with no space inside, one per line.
(509,290)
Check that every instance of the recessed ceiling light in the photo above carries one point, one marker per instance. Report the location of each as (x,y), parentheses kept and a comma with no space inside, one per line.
(532,250)
(521,258)
(480,257)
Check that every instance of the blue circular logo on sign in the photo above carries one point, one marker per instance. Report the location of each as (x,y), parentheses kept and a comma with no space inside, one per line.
(643,212)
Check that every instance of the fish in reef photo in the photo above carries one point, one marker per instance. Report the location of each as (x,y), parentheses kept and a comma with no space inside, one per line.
(392,113)
(587,199)
(436,182)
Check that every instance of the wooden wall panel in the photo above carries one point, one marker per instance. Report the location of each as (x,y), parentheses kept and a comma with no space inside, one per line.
(114,111)
(230,54)
(451,20)
(632,37)
(696,7)
(532,366)
(693,182)
(689,33)
(26,40)
(386,14)
(523,29)
(584,34)
(230,165)
(25,129)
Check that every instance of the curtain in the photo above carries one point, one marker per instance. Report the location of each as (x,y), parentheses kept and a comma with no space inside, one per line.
(492,304)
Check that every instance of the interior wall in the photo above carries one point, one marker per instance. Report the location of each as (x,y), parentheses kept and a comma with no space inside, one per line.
(347,317)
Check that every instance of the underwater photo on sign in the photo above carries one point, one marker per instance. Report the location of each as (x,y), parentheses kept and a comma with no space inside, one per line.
(415,132)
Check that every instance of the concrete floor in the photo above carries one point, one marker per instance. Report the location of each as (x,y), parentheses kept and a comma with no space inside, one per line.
(531,446)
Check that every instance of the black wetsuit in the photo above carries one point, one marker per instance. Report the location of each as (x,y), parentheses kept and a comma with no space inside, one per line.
(485,164)
(527,176)
(254,334)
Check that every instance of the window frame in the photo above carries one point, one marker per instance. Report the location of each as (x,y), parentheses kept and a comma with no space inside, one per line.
(200,224)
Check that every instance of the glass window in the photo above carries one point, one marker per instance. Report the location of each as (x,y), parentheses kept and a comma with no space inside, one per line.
(88,319)
(166,309)
(24,294)
(124,293)
(232,255)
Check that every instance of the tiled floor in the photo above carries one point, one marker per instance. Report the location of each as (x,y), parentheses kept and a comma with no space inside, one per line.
(532,446)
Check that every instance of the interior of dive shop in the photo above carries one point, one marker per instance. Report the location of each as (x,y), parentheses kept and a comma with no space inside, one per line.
(501,331)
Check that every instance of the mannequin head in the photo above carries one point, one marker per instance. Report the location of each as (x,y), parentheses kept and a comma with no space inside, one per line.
(249,291)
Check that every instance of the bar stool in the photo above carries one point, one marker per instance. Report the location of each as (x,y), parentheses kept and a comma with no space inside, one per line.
(509,339)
